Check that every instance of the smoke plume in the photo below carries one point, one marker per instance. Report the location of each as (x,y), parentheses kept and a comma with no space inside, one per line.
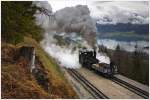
(67,30)
(70,19)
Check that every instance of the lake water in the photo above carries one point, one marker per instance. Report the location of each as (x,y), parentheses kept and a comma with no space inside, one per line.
(127,46)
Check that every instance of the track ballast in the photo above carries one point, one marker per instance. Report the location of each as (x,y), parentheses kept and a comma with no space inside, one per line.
(87,85)
(132,88)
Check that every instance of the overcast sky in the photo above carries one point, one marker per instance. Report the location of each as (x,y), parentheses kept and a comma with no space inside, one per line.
(110,12)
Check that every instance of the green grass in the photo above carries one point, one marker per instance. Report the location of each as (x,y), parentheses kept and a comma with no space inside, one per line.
(59,83)
(46,60)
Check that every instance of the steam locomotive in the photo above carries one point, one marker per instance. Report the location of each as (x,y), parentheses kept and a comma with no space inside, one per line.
(87,58)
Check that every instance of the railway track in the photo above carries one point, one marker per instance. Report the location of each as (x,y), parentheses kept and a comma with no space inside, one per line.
(87,85)
(132,88)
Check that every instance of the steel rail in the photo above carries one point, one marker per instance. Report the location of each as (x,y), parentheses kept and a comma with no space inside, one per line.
(130,87)
(87,85)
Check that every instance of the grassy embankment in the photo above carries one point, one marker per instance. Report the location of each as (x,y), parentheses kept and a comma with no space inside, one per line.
(17,82)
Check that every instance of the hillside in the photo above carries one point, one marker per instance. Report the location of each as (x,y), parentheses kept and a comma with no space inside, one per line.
(141,29)
(18,82)
(134,65)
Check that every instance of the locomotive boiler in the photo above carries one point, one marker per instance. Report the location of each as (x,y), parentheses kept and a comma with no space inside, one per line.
(87,58)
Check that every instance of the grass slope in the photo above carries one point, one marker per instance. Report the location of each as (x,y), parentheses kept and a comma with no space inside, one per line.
(25,84)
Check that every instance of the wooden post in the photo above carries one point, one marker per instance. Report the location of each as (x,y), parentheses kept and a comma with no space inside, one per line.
(33,60)
(28,53)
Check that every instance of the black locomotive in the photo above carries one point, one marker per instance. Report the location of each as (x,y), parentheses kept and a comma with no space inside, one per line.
(88,59)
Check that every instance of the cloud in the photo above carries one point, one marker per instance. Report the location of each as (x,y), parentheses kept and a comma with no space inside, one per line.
(60,4)
(110,12)
(120,12)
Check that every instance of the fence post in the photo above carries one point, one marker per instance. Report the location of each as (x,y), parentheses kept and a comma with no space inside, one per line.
(32,61)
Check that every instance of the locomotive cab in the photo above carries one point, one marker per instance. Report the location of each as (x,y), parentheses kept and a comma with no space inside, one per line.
(87,58)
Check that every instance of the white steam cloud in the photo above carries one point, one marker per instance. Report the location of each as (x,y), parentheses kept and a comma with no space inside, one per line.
(65,56)
(72,24)
(66,22)
(103,58)
(70,19)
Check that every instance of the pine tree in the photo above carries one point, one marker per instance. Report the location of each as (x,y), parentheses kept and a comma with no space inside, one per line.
(117,56)
(18,20)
